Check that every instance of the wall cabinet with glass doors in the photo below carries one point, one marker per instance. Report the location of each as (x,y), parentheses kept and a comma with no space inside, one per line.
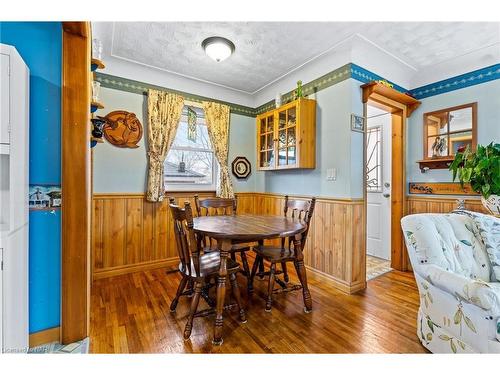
(286,136)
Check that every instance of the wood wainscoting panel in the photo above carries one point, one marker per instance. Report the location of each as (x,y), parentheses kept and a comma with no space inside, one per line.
(334,246)
(432,204)
(131,234)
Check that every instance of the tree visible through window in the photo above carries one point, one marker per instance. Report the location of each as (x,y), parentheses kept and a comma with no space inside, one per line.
(190,161)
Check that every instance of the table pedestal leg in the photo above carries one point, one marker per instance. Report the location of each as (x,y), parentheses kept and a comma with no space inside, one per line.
(224,247)
(301,272)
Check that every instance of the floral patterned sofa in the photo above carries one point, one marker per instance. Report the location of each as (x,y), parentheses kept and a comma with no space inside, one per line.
(456,261)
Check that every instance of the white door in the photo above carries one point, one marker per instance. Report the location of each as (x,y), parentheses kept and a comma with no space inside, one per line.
(4,98)
(378,224)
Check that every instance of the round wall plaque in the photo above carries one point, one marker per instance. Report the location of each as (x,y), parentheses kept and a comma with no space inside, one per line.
(241,167)
(122,129)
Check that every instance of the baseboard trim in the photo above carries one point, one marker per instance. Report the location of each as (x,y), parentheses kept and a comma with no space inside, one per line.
(45,337)
(131,268)
(339,284)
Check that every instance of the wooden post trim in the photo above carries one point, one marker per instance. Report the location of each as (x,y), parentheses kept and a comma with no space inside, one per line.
(76,188)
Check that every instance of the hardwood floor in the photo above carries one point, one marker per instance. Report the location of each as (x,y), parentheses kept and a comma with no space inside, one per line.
(130,314)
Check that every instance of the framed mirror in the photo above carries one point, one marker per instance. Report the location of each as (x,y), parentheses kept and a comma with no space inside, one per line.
(449,130)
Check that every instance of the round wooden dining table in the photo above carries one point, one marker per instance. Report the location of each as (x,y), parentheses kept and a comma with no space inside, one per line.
(230,229)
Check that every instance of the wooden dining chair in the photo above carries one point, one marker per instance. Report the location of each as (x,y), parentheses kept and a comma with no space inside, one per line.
(224,206)
(198,266)
(284,254)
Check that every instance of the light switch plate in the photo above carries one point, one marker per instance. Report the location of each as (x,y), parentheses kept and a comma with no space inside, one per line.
(331,174)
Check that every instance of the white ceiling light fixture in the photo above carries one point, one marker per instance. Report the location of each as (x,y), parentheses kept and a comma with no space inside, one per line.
(218,48)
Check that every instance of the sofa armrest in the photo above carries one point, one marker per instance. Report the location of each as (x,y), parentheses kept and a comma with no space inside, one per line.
(476,292)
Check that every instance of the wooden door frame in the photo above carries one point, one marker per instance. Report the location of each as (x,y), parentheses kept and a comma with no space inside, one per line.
(399,113)
(75,185)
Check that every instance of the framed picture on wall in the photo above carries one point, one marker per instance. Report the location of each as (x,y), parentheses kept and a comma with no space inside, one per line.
(44,197)
(357,123)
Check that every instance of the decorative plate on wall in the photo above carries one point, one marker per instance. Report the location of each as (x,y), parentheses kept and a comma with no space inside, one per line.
(122,129)
(241,167)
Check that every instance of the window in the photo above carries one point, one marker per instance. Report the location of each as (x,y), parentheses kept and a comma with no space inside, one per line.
(190,162)
(374,159)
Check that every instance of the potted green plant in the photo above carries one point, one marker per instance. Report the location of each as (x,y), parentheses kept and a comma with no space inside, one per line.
(480,168)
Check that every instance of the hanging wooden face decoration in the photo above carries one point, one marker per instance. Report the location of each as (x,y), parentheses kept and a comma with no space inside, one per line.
(122,129)
(241,167)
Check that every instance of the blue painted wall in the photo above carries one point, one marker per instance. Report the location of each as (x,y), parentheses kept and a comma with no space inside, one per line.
(112,165)
(40,46)
(487,96)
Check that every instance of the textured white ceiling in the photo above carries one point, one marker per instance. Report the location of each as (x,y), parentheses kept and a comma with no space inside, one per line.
(266,51)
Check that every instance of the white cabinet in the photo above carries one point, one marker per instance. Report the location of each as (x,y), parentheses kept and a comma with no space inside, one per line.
(4,109)
(14,148)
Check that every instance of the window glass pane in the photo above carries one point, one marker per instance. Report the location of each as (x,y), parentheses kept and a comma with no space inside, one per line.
(292,116)
(291,137)
(201,141)
(461,119)
(437,146)
(269,141)
(270,158)
(458,140)
(291,155)
(282,119)
(262,142)
(374,159)
(282,156)
(437,123)
(263,160)
(189,167)
(270,123)
(282,138)
(262,125)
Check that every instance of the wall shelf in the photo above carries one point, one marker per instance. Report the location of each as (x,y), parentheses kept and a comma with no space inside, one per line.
(96,64)
(436,163)
(441,188)
(94,106)
(390,93)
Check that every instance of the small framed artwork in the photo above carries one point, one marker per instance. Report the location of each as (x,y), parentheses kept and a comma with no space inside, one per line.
(357,123)
(241,167)
(44,197)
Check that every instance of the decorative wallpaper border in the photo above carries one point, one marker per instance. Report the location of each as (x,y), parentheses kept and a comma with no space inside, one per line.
(321,83)
(338,75)
(361,74)
(475,77)
(137,87)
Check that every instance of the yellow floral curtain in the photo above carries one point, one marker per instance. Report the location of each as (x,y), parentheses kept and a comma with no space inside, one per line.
(217,119)
(164,113)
